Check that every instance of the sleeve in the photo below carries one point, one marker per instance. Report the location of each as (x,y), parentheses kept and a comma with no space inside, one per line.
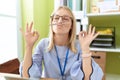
(35,70)
(77,73)
(97,71)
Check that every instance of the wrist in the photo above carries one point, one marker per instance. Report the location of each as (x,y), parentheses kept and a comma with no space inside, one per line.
(86,55)
(85,50)
(28,47)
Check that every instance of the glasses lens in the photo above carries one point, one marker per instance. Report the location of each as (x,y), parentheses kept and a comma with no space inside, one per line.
(64,18)
(56,18)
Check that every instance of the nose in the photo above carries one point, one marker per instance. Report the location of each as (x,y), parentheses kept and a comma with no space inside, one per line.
(60,19)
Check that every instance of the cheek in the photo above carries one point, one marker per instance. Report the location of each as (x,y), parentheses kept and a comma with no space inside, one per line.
(70,26)
(54,28)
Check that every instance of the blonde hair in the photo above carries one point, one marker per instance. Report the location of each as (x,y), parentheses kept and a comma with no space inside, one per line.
(72,33)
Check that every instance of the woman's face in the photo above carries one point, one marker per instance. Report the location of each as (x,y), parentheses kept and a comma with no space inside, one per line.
(62,22)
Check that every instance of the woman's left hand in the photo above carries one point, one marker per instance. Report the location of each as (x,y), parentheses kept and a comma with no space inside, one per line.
(85,38)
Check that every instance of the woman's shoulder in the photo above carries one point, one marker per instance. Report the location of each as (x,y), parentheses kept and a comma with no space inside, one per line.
(77,42)
(43,42)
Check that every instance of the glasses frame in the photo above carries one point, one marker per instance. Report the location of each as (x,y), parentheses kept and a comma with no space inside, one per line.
(63,18)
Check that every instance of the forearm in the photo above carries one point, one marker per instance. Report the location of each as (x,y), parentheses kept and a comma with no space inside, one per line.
(86,63)
(87,68)
(27,61)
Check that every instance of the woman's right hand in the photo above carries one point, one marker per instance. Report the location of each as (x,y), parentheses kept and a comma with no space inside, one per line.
(30,36)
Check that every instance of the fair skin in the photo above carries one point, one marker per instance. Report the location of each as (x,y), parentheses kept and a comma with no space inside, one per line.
(61,32)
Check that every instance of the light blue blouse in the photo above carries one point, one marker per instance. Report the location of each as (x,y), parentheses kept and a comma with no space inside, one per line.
(48,59)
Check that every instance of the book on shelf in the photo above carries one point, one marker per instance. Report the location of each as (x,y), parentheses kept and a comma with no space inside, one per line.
(59,3)
(104,6)
(75,5)
(69,4)
(65,2)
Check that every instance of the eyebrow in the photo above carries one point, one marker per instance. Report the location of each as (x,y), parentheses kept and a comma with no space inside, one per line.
(61,15)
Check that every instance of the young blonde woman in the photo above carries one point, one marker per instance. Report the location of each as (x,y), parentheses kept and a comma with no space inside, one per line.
(63,57)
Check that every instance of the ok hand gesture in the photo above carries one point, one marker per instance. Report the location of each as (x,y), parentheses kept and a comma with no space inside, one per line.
(85,38)
(30,35)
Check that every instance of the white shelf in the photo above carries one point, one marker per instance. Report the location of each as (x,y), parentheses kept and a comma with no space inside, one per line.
(104,14)
(106,49)
(78,14)
(102,39)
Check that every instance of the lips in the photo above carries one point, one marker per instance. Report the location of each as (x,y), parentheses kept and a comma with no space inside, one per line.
(59,25)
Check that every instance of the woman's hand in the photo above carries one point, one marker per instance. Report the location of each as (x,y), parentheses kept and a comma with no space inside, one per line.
(30,35)
(85,38)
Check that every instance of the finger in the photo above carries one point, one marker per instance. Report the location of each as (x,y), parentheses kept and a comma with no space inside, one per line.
(31,25)
(35,33)
(89,29)
(93,31)
(27,28)
(96,35)
(82,33)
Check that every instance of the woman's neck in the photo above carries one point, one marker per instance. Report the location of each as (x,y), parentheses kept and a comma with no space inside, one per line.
(61,40)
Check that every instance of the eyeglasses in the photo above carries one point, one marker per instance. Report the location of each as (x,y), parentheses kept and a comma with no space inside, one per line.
(64,18)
